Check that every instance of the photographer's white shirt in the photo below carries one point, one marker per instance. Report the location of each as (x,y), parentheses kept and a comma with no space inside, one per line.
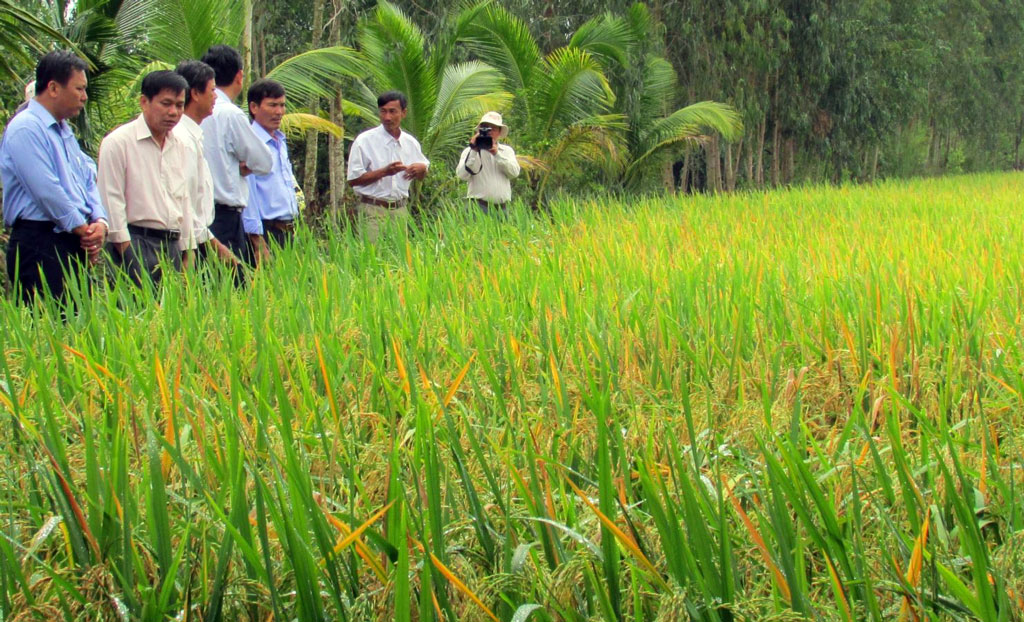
(376,148)
(489,175)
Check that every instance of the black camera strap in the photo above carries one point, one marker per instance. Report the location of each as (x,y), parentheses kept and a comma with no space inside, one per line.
(466,165)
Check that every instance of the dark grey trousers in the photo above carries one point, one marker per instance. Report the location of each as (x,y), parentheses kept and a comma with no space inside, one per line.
(142,258)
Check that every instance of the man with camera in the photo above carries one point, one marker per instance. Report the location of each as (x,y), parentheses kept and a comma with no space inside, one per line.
(489,166)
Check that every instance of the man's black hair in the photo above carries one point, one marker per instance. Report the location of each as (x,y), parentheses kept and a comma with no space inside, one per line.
(163,80)
(226,63)
(57,66)
(264,89)
(197,74)
(392,96)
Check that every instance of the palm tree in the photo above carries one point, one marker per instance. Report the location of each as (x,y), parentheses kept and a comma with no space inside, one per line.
(564,104)
(645,84)
(445,98)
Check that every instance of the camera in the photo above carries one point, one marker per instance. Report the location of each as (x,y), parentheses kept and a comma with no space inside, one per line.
(484,140)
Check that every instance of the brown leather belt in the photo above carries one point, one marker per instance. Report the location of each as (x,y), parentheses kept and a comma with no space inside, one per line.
(280,225)
(381,202)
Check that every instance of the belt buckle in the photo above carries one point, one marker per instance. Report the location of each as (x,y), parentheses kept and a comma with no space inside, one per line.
(173,235)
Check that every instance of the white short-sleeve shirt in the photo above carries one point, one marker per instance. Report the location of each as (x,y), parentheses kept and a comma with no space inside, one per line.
(376,148)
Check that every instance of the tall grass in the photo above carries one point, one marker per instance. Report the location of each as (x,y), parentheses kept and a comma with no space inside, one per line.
(804,404)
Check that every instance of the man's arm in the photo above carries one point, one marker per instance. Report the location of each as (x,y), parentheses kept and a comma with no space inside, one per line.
(248,146)
(111,182)
(35,168)
(358,168)
(507,162)
(460,170)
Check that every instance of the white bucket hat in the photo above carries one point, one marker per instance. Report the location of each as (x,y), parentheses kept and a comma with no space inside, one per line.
(494,118)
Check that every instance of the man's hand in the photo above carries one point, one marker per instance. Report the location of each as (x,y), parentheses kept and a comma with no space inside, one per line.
(416,171)
(494,148)
(393,169)
(260,248)
(244,170)
(224,253)
(92,236)
(472,141)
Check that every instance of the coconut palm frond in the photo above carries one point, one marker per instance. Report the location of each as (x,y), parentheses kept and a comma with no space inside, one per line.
(692,124)
(569,88)
(177,29)
(607,38)
(319,73)
(505,42)
(395,48)
(18,30)
(452,132)
(454,31)
(463,82)
(296,124)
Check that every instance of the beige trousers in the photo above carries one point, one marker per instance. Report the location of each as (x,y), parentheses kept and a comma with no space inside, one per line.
(374,219)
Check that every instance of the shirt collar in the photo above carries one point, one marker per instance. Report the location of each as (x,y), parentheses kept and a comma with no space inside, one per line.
(188,125)
(266,136)
(387,134)
(44,115)
(142,131)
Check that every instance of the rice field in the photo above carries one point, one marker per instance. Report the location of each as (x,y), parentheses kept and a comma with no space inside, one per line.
(799,405)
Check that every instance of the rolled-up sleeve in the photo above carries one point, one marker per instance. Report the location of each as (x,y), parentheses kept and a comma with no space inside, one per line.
(111,176)
(42,182)
(356,160)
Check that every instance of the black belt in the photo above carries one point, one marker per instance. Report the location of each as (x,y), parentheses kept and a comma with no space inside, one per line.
(229,208)
(33,225)
(167,235)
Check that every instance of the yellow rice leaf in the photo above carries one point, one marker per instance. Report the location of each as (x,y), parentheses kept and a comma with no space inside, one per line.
(625,540)
(462,586)
(458,381)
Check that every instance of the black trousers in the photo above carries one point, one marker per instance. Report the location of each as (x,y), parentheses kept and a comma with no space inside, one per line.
(142,257)
(227,227)
(277,234)
(206,254)
(38,259)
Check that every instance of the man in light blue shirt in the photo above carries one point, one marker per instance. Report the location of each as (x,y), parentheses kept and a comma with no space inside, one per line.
(51,202)
(232,151)
(273,207)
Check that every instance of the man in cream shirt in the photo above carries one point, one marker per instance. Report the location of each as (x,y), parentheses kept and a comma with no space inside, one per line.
(382,164)
(143,184)
(489,166)
(199,100)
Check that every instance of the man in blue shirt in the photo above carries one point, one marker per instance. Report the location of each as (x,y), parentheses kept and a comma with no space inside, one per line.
(273,207)
(51,202)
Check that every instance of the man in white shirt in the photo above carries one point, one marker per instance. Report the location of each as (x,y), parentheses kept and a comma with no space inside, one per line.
(232,151)
(489,166)
(199,99)
(142,181)
(382,164)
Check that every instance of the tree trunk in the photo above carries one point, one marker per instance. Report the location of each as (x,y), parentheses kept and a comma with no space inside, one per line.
(730,169)
(935,146)
(750,163)
(713,155)
(312,138)
(776,148)
(684,175)
(790,162)
(666,177)
(762,130)
(336,146)
(247,42)
(874,162)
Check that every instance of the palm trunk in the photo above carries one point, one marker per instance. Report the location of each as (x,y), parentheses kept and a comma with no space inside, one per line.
(247,42)
(714,165)
(730,168)
(790,161)
(312,138)
(336,146)
(776,149)
(762,130)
